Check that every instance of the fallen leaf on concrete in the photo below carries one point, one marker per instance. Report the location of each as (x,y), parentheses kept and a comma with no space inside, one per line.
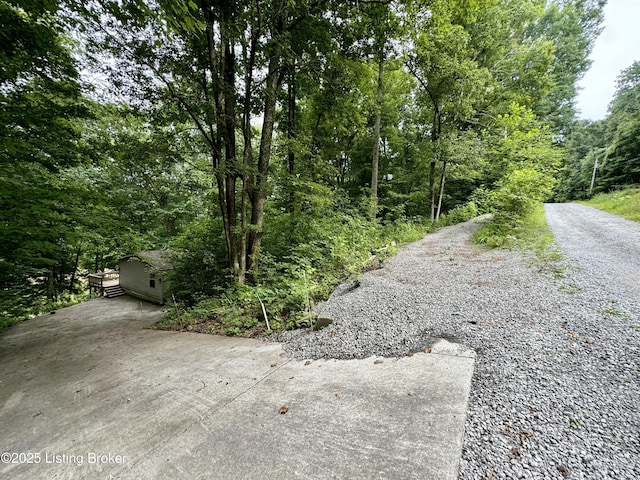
(427,350)
(378,361)
(573,335)
(563,470)
(308,362)
(274,364)
(515,452)
(283,410)
(338,394)
(409,354)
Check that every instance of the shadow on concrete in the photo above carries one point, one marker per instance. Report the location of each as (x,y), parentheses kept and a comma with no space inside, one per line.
(89,393)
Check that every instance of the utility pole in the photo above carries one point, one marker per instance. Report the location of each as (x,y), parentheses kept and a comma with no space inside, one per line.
(593,176)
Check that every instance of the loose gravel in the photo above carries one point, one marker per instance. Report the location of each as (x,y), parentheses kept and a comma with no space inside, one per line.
(556,387)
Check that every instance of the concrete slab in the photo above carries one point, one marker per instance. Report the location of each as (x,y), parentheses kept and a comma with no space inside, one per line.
(88,393)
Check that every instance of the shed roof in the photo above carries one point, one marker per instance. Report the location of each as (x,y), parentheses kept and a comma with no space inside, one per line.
(159,259)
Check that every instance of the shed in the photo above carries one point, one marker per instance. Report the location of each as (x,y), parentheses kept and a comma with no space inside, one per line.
(145,275)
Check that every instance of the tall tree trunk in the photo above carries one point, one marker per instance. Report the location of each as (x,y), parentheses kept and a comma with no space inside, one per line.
(249,54)
(435,141)
(432,190)
(376,142)
(441,192)
(436,130)
(50,285)
(75,269)
(291,133)
(231,170)
(222,65)
(259,196)
(60,283)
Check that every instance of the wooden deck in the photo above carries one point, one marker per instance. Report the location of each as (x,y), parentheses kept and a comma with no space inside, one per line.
(107,283)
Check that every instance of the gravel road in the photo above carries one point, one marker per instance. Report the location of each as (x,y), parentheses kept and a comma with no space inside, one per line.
(556,388)
(605,246)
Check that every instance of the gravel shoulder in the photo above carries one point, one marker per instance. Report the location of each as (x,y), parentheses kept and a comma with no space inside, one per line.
(556,385)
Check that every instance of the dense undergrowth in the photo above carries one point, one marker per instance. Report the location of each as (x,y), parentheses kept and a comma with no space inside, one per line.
(308,255)
(625,203)
(309,252)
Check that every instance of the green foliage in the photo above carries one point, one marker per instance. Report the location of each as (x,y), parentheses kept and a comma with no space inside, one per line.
(459,214)
(621,165)
(572,26)
(201,259)
(519,192)
(585,144)
(531,234)
(40,109)
(614,143)
(307,256)
(528,161)
(473,105)
(147,173)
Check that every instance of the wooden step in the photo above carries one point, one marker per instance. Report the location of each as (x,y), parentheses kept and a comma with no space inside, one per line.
(113,291)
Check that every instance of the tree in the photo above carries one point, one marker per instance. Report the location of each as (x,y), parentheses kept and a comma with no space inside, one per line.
(40,99)
(383,24)
(450,78)
(573,26)
(223,63)
(622,161)
(585,144)
(148,169)
(606,151)
(525,162)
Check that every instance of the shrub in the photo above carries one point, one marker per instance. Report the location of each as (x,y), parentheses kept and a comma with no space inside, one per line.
(306,255)
(459,214)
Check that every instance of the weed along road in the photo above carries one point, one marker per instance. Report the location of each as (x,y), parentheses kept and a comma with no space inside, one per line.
(90,393)
(599,242)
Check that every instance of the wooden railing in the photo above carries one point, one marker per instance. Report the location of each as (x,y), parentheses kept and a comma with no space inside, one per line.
(97,280)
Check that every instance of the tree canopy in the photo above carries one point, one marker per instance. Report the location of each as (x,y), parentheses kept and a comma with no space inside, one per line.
(277,139)
(605,154)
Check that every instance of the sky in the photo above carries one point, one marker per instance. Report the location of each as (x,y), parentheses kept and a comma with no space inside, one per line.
(617,47)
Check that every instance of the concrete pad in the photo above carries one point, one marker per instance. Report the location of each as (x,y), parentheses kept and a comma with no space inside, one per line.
(88,393)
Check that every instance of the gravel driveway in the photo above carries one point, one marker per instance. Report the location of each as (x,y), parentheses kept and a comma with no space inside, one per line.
(605,246)
(556,388)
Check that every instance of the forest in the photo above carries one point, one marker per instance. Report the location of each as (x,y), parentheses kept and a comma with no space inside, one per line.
(277,147)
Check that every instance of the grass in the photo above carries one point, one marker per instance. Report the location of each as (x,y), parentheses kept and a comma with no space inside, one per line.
(625,203)
(614,312)
(531,234)
(534,238)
